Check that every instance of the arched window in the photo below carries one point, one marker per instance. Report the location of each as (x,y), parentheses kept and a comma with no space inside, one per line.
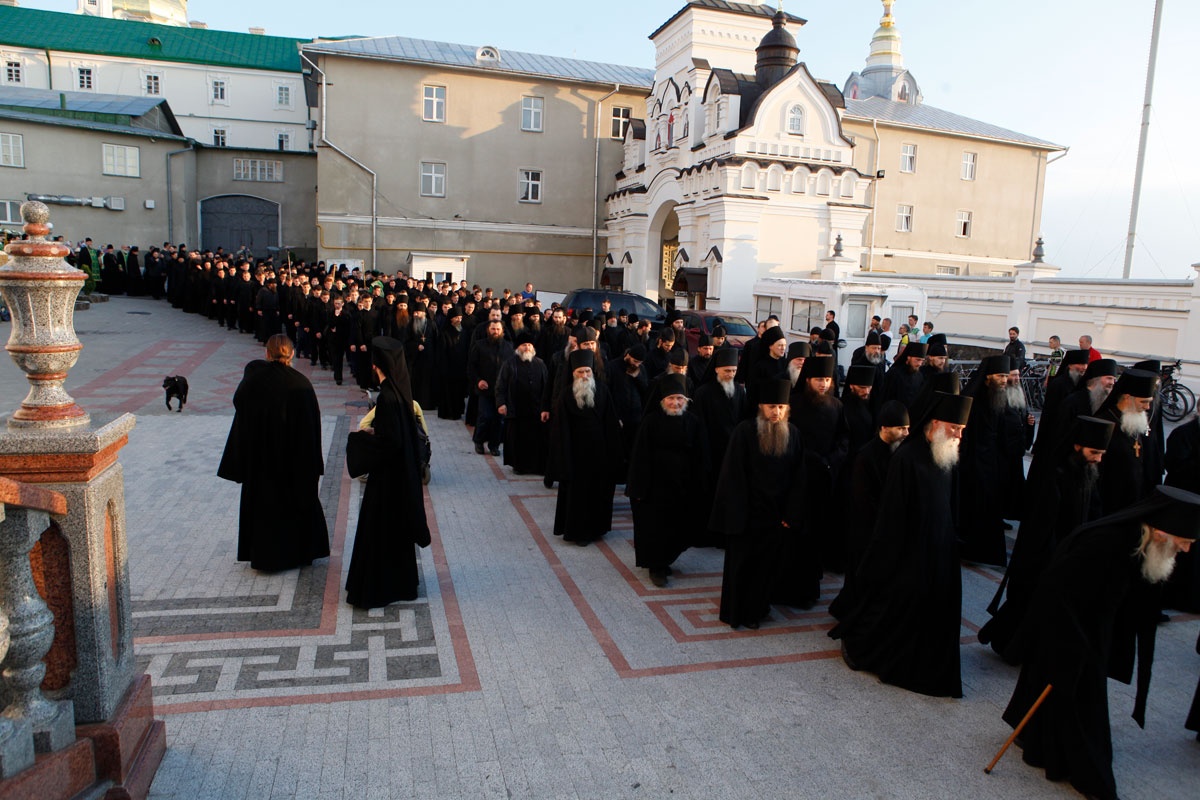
(795,120)
(824,181)
(775,178)
(848,185)
(749,176)
(800,180)
(903,97)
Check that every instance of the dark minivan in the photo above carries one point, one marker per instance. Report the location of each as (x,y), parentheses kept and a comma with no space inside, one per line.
(645,308)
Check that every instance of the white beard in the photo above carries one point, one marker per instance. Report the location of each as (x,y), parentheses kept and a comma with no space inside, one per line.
(1158,559)
(793,373)
(729,387)
(584,390)
(674,412)
(945,450)
(525,355)
(773,437)
(1014,396)
(1134,423)
(1098,393)
(875,358)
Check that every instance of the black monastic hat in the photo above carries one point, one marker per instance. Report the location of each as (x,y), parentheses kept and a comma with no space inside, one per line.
(637,352)
(1092,432)
(915,350)
(774,393)
(704,340)
(582,358)
(1180,516)
(861,375)
(678,356)
(799,350)
(952,408)
(995,365)
(873,338)
(725,357)
(524,337)
(673,383)
(937,349)
(586,333)
(1100,368)
(772,335)
(1136,382)
(1075,357)
(893,414)
(817,368)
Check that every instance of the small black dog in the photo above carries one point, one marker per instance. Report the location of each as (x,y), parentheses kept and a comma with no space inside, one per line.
(176,386)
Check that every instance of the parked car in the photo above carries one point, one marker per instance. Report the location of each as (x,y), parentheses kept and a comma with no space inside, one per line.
(581,299)
(739,330)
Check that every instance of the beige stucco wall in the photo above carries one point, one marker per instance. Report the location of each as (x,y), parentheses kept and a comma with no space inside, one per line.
(1005,200)
(374,113)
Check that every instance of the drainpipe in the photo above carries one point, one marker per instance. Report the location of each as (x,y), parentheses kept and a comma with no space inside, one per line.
(170,194)
(874,196)
(596,190)
(49,70)
(374,178)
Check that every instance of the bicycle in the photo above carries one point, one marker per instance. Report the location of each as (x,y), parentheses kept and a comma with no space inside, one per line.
(1177,400)
(1033,381)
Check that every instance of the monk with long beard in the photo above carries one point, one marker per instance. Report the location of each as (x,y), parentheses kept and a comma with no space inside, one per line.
(1123,472)
(757,506)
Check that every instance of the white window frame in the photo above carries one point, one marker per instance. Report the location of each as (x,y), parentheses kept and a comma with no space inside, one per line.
(220,136)
(283,140)
(795,120)
(621,118)
(121,160)
(261,170)
(946,269)
(533,113)
(904,218)
(765,305)
(806,314)
(10,212)
(152,81)
(283,95)
(433,103)
(970,163)
(218,90)
(14,71)
(435,172)
(908,158)
(963,222)
(530,183)
(12,150)
(85,78)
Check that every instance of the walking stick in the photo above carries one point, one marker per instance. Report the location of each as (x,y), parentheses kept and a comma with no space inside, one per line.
(1017,731)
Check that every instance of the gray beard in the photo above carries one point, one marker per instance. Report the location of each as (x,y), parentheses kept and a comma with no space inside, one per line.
(876,358)
(525,355)
(1158,559)
(1014,396)
(793,373)
(893,445)
(419,324)
(1134,423)
(773,437)
(1074,376)
(945,450)
(584,390)
(1098,394)
(674,412)
(518,325)
(729,387)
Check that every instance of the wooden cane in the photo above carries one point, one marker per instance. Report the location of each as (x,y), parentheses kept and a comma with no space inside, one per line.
(1017,731)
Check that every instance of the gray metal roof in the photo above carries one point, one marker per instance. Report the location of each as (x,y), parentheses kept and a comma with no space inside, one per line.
(747,9)
(923,116)
(511,62)
(88,102)
(103,127)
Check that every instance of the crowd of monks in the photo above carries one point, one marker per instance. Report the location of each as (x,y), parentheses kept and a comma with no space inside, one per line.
(889,470)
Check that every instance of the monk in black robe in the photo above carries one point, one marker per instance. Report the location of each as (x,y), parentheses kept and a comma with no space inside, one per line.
(1058,388)
(904,380)
(391,518)
(670,460)
(521,394)
(769,365)
(628,384)
(981,526)
(1096,605)
(758,507)
(905,622)
(1060,500)
(1123,470)
(1086,399)
(585,454)
(1182,461)
(422,346)
(274,452)
(452,367)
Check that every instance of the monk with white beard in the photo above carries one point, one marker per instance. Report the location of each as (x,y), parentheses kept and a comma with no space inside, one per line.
(1095,606)
(1123,472)
(906,613)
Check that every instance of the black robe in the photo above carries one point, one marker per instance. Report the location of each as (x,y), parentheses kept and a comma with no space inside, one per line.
(1123,470)
(274,452)
(867,477)
(629,397)
(521,391)
(452,373)
(391,519)
(422,351)
(826,441)
(1182,461)
(1193,718)
(1057,390)
(905,622)
(981,527)
(1091,611)
(670,461)
(901,384)
(585,458)
(758,507)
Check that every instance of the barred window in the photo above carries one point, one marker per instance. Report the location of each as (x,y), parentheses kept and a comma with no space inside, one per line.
(258,169)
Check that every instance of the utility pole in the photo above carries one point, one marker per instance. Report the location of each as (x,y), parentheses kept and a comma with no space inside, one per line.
(1141,157)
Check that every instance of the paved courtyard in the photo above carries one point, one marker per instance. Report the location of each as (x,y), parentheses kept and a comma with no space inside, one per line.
(528,668)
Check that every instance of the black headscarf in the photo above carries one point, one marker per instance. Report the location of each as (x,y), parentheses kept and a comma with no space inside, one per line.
(388,354)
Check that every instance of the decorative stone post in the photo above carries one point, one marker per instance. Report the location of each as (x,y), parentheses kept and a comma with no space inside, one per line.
(16,736)
(52,442)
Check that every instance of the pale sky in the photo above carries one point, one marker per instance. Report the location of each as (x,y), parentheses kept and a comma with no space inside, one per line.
(1070,71)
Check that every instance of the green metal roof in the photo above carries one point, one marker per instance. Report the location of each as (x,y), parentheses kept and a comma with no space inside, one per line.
(80,33)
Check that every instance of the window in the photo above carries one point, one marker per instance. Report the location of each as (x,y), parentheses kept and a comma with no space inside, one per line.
(434,109)
(795,120)
(531,113)
(10,211)
(968,166)
(84,78)
(220,137)
(218,91)
(12,72)
(908,158)
(620,121)
(12,150)
(433,179)
(257,169)
(283,140)
(854,326)
(807,314)
(121,160)
(766,306)
(531,186)
(904,218)
(153,85)
(962,224)
(283,96)
(942,269)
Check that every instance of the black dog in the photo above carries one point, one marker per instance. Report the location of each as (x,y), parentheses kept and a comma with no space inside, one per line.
(176,386)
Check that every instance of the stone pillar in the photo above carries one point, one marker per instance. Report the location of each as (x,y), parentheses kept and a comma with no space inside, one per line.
(1024,276)
(52,442)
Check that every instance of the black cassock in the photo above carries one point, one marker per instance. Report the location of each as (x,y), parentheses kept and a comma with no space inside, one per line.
(522,388)
(868,474)
(585,458)
(1092,610)
(391,519)
(720,414)
(1123,469)
(1182,462)
(901,384)
(905,622)
(826,439)
(1193,719)
(274,452)
(670,462)
(756,494)
(981,527)
(422,352)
